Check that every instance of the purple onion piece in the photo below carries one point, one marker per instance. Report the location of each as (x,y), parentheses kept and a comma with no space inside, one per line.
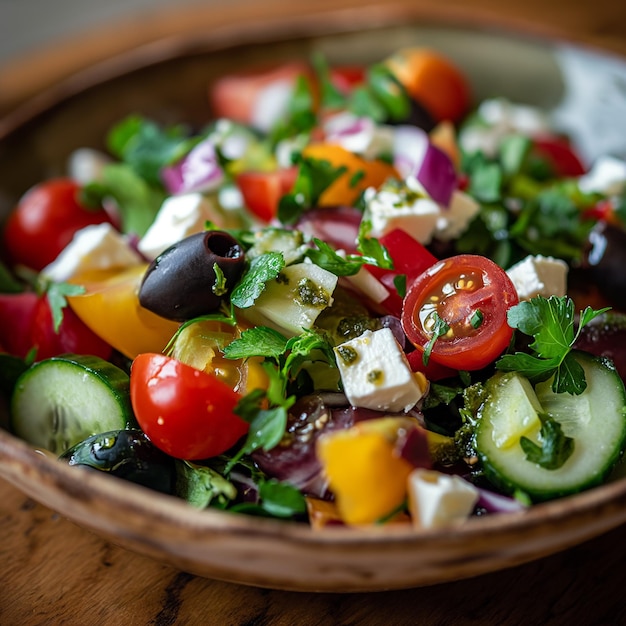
(415,156)
(497,503)
(198,171)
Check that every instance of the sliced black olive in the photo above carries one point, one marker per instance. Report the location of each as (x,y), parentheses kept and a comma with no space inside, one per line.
(127,454)
(181,283)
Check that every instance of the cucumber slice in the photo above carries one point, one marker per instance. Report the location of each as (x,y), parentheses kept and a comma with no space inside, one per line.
(595,419)
(60,401)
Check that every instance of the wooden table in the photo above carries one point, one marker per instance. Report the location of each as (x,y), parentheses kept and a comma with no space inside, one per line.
(52,572)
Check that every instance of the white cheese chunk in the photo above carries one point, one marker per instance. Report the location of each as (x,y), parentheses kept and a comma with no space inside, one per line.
(85,165)
(403,205)
(539,276)
(454,220)
(607,176)
(97,247)
(437,500)
(178,217)
(360,135)
(376,374)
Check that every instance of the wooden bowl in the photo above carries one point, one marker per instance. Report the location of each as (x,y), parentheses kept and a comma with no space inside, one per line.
(168,80)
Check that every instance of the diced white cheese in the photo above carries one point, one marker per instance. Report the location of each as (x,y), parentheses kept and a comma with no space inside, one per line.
(271,104)
(437,500)
(607,176)
(539,276)
(368,285)
(178,217)
(454,220)
(403,205)
(85,165)
(97,247)
(376,374)
(502,118)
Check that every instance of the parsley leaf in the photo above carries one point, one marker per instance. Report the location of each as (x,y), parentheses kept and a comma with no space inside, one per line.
(263,268)
(281,499)
(314,177)
(550,321)
(57,293)
(257,341)
(440,328)
(556,448)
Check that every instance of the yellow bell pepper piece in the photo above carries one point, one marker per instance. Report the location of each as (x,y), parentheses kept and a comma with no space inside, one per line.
(364,470)
(110,307)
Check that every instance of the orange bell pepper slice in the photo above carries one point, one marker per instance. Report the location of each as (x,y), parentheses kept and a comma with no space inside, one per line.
(432,80)
(359,175)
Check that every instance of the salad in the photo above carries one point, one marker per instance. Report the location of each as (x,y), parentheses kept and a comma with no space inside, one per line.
(356,297)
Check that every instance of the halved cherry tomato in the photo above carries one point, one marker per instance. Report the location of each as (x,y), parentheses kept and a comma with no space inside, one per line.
(472,295)
(110,307)
(185,412)
(262,191)
(44,222)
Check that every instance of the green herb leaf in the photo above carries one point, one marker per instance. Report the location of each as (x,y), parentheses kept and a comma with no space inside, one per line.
(259,341)
(330,96)
(550,321)
(281,499)
(137,201)
(200,485)
(314,177)
(300,116)
(556,448)
(8,282)
(263,268)
(440,328)
(57,293)
(219,288)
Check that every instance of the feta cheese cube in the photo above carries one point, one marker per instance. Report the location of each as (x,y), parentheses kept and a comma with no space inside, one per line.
(454,220)
(403,205)
(360,135)
(85,165)
(539,276)
(178,217)
(376,374)
(97,247)
(607,176)
(437,500)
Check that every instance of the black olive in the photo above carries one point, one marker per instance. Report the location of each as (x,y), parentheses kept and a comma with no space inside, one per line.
(179,283)
(127,454)
(604,263)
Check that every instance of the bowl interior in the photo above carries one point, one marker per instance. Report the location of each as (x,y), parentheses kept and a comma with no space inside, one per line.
(170,85)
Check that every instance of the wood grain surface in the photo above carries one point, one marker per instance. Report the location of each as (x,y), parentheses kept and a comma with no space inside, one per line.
(53,572)
(56,573)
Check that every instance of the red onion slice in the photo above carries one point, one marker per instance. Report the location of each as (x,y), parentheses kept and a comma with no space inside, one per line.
(199,170)
(415,156)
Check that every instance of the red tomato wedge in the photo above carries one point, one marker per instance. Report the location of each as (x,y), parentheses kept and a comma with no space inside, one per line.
(472,295)
(262,191)
(185,412)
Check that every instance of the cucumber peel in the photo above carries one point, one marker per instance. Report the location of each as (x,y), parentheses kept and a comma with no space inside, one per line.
(595,419)
(60,401)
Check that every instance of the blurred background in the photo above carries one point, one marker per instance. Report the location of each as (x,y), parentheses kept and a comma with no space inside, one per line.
(43,41)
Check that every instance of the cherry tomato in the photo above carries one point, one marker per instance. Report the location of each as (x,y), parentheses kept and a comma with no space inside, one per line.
(472,295)
(262,191)
(44,222)
(185,412)
(26,323)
